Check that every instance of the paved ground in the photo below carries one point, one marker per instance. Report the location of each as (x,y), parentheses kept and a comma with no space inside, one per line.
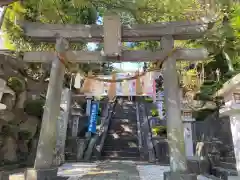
(112,170)
(107,170)
(116,170)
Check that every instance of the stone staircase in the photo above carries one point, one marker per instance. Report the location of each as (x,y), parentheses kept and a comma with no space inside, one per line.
(121,142)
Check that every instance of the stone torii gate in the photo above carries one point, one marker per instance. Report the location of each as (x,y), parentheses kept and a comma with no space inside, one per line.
(112,33)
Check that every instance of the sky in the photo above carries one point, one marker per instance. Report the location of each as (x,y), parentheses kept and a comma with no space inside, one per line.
(126,66)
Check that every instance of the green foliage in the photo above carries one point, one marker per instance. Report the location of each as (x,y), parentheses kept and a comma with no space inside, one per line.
(45,11)
(154,113)
(16,84)
(34,107)
(148,99)
(159,130)
(201,115)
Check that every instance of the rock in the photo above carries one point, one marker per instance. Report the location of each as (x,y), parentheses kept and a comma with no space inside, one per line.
(22,97)
(7,116)
(9,149)
(33,151)
(30,126)
(9,101)
(2,87)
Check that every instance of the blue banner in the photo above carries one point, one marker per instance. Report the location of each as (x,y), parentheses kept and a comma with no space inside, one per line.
(93,117)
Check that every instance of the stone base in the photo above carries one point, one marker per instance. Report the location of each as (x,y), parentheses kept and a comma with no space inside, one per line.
(179,176)
(4,175)
(198,166)
(40,174)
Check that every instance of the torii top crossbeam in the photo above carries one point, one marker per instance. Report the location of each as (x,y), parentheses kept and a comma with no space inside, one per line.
(94,33)
(112,33)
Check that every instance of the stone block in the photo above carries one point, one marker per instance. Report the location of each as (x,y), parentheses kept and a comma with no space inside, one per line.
(40,174)
(179,176)
(220,173)
(16,176)
(4,175)
(208,177)
(198,166)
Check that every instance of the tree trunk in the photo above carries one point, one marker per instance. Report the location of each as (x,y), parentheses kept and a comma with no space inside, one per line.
(228,60)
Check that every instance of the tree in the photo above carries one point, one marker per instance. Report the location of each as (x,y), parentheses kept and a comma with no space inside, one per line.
(6,2)
(45,11)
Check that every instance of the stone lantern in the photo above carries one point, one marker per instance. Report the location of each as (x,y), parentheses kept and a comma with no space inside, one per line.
(231,94)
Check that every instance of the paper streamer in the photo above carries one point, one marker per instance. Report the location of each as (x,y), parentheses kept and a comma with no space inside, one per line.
(125,86)
(86,88)
(138,85)
(112,88)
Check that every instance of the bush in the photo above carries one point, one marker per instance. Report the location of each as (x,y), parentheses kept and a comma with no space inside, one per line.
(148,99)
(159,130)
(34,107)
(16,84)
(154,113)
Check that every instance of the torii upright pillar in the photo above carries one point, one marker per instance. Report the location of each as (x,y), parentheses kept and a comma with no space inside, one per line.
(47,139)
(175,134)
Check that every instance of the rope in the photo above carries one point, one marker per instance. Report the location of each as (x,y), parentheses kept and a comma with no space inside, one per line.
(62,58)
(157,68)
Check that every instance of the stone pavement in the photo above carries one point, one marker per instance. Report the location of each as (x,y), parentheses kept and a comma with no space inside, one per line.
(116,170)
(112,170)
(106,170)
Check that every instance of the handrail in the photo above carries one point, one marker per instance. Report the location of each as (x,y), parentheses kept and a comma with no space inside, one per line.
(151,150)
(96,143)
(93,140)
(139,132)
(146,133)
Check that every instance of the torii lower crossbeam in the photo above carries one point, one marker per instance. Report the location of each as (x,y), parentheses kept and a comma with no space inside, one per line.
(127,56)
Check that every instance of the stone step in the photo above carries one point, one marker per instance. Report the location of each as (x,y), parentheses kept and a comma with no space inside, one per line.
(207,177)
(114,148)
(122,128)
(223,173)
(122,135)
(227,165)
(122,158)
(121,153)
(131,132)
(228,159)
(120,122)
(120,142)
(124,120)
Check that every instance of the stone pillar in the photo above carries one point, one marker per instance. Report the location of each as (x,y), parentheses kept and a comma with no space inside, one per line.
(233,111)
(175,133)
(235,128)
(187,124)
(160,104)
(231,93)
(48,133)
(62,126)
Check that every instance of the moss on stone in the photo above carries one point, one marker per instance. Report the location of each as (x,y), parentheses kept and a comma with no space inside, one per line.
(34,107)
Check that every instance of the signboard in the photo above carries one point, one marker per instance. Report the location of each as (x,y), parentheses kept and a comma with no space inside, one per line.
(93,117)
